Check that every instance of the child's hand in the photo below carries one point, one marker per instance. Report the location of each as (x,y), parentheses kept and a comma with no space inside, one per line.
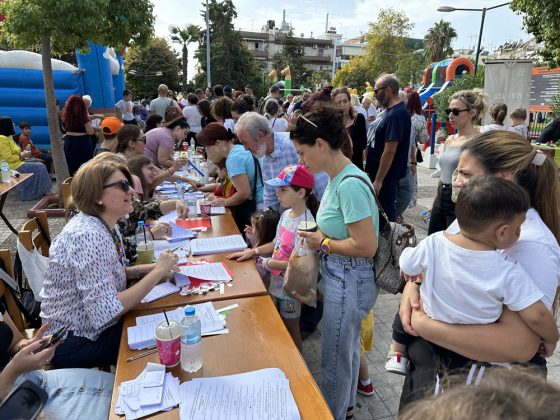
(411,279)
(242,255)
(546,349)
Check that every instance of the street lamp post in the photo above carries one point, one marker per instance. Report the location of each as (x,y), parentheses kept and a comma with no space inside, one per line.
(208,76)
(483,10)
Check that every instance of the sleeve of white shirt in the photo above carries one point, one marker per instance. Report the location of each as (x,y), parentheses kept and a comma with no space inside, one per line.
(414,261)
(90,256)
(520,291)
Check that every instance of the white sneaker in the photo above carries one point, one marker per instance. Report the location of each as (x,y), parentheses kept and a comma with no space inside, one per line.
(396,362)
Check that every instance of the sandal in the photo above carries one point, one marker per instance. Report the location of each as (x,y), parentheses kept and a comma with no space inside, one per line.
(350,413)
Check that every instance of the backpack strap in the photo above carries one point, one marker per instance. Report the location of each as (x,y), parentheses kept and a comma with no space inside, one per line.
(372,192)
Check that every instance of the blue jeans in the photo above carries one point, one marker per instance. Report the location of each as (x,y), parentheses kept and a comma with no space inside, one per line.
(83,393)
(405,190)
(349,292)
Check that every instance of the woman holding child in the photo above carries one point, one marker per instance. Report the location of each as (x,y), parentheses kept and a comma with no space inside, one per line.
(347,238)
(507,155)
(85,284)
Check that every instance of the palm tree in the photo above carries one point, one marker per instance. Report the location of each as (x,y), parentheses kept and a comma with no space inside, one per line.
(437,41)
(190,33)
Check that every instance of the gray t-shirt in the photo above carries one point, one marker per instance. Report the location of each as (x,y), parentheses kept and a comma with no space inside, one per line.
(160,104)
(448,163)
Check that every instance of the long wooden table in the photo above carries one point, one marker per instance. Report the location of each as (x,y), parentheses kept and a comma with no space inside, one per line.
(246,279)
(5,188)
(257,339)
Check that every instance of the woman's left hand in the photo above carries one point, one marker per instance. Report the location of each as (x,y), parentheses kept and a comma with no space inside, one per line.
(160,230)
(182,209)
(419,318)
(313,239)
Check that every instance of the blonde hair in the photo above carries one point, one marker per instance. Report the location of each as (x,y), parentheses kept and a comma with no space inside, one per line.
(87,185)
(502,152)
(475,99)
(515,394)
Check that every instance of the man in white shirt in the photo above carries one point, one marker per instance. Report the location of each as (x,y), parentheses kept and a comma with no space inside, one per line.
(125,106)
(370,110)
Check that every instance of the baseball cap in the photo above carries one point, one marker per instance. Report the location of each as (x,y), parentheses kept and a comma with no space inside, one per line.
(111,126)
(296,175)
(228,88)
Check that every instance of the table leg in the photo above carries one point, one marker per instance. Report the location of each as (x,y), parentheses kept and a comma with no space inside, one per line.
(2,201)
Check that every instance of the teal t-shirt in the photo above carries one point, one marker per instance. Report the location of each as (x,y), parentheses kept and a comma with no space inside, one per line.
(240,161)
(345,203)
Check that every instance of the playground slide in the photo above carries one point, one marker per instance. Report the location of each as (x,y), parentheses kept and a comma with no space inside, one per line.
(428,93)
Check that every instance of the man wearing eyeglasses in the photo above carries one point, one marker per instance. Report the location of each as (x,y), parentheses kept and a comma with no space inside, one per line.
(387,156)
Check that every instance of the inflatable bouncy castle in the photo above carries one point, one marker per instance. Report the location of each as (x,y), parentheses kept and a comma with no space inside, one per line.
(438,76)
(100,74)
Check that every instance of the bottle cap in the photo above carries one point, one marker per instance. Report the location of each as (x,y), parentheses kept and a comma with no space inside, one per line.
(189,310)
(140,223)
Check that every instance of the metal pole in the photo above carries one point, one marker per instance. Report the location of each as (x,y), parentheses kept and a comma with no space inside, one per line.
(208,75)
(333,60)
(480,39)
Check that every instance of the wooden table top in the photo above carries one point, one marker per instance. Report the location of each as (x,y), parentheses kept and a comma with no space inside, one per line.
(14,182)
(246,279)
(257,339)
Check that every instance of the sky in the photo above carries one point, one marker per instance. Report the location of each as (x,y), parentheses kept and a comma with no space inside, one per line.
(351,18)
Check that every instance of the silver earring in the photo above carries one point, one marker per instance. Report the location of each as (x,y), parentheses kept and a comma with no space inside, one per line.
(100,203)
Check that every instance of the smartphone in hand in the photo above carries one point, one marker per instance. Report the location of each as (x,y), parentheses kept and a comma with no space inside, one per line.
(55,338)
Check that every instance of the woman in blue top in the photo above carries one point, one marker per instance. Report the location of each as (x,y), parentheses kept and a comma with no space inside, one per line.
(347,238)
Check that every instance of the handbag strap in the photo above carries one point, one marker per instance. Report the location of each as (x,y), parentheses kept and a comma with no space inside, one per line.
(372,192)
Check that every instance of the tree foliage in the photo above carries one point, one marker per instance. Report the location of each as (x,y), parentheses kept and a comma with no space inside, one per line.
(231,61)
(437,41)
(466,82)
(410,67)
(291,55)
(156,56)
(190,33)
(355,74)
(542,19)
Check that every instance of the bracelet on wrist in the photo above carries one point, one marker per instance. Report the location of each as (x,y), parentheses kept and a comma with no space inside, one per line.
(266,262)
(137,272)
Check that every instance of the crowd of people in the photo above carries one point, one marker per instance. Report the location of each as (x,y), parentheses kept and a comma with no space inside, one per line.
(487,274)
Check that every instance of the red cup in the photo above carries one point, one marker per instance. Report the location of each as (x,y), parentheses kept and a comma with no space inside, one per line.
(168,343)
(185,147)
(205,208)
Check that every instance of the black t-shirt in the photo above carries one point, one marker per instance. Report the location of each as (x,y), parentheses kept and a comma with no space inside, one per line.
(394,125)
(6,337)
(358,134)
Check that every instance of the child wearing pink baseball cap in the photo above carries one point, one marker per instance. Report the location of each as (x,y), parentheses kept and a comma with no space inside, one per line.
(294,191)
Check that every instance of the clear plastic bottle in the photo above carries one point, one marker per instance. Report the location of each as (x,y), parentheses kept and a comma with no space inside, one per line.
(180,187)
(191,204)
(5,169)
(191,350)
(204,169)
(425,216)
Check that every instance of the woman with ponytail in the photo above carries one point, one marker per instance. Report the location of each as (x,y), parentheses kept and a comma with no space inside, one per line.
(498,113)
(507,155)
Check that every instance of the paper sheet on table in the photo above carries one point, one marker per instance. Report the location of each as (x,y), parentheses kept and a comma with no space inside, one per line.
(160,291)
(229,243)
(210,272)
(179,233)
(182,252)
(169,217)
(216,210)
(263,394)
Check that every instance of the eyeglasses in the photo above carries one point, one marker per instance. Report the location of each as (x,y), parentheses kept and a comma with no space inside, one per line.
(124,185)
(378,89)
(455,111)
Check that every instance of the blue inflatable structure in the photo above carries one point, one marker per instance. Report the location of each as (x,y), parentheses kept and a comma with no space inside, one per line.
(100,74)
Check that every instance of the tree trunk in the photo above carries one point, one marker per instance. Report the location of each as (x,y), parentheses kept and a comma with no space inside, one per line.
(185,67)
(59,158)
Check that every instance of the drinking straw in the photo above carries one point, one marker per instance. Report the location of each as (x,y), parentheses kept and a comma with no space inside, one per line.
(167,319)
(145,239)
(196,169)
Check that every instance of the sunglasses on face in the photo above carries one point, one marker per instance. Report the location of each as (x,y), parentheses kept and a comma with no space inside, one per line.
(379,88)
(455,111)
(123,185)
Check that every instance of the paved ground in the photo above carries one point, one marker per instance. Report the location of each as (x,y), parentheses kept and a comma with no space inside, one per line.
(384,403)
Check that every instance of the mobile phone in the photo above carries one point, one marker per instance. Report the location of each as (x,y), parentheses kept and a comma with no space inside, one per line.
(25,402)
(55,338)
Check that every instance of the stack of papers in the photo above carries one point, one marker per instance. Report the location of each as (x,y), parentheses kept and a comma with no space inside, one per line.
(152,391)
(216,210)
(229,243)
(142,335)
(179,233)
(181,249)
(160,291)
(262,394)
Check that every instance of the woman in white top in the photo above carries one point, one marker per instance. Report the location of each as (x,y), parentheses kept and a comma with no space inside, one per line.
(508,155)
(191,113)
(272,112)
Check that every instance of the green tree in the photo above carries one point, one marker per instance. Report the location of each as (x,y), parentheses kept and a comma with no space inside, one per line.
(232,63)
(355,74)
(466,82)
(542,19)
(437,41)
(410,67)
(314,79)
(291,55)
(386,42)
(143,63)
(190,33)
(57,26)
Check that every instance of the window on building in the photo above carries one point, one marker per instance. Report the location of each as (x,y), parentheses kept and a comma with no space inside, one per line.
(321,52)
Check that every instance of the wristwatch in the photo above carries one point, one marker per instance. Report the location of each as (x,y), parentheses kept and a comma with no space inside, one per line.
(326,245)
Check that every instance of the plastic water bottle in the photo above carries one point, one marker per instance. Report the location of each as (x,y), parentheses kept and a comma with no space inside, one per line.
(139,234)
(180,187)
(204,169)
(191,350)
(5,169)
(425,216)
(193,146)
(191,204)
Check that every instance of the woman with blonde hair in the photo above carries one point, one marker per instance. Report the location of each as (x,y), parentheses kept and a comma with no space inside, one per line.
(466,107)
(508,155)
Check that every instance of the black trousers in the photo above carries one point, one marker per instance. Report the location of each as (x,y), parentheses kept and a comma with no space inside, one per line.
(443,210)
(80,352)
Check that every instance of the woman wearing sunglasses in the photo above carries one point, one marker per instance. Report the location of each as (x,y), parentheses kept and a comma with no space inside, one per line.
(85,286)
(466,107)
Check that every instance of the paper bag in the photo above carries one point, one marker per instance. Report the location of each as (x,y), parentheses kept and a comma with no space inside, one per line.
(300,279)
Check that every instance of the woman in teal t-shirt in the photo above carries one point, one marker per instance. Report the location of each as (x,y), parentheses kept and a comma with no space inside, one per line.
(347,238)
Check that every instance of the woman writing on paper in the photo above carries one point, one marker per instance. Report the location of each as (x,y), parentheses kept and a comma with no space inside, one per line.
(85,283)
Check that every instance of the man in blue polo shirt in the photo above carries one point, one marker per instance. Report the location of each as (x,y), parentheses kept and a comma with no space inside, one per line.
(387,154)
